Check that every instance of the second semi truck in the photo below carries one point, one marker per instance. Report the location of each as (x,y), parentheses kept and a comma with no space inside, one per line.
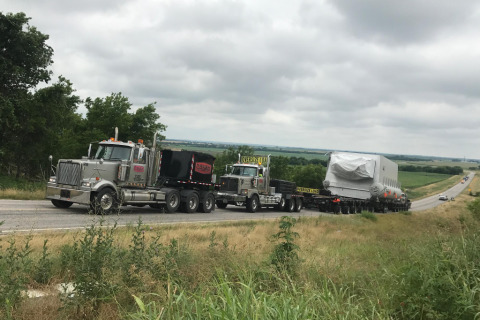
(249,183)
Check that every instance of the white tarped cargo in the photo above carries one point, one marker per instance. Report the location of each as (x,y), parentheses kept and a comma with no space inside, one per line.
(352,166)
(353,174)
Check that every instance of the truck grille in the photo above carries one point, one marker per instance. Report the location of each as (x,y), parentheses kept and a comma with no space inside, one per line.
(68,173)
(227,184)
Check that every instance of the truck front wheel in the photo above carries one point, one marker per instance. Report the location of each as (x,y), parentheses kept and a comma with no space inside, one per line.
(61,203)
(105,202)
(252,204)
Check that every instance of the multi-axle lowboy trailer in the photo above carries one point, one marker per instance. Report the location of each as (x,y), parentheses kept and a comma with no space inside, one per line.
(357,181)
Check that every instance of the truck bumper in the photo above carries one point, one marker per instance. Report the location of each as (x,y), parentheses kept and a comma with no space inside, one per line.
(228,197)
(68,194)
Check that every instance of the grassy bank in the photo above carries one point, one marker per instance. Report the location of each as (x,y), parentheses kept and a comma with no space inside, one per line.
(423,265)
(21,189)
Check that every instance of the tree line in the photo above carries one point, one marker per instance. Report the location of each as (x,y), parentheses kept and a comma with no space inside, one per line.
(440,169)
(35,123)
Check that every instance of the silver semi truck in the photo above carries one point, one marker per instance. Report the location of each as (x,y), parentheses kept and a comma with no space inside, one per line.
(357,181)
(129,173)
(249,184)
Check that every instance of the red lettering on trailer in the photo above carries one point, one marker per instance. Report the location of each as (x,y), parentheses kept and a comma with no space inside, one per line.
(203,168)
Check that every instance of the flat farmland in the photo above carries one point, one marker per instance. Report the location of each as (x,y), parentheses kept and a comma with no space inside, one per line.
(411,180)
(422,184)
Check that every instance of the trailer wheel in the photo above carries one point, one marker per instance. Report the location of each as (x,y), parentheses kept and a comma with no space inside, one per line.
(290,207)
(221,204)
(192,202)
(281,205)
(104,202)
(208,203)
(252,204)
(298,204)
(61,203)
(172,201)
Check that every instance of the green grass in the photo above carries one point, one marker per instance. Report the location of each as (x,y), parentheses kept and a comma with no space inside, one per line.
(21,189)
(9,182)
(411,180)
(350,268)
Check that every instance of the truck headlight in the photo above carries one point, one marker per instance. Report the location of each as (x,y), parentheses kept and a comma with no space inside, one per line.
(89,183)
(52,179)
(244,192)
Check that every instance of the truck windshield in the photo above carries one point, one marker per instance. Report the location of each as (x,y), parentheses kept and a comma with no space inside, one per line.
(244,171)
(111,152)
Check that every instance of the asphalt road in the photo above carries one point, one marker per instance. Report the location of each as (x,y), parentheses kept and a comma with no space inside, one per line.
(38,215)
(433,201)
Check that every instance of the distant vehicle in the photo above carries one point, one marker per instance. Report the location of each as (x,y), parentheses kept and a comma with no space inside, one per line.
(443,197)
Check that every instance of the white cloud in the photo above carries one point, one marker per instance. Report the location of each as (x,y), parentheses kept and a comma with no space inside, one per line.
(349,75)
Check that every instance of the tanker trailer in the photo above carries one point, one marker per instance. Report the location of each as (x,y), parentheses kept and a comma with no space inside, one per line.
(357,181)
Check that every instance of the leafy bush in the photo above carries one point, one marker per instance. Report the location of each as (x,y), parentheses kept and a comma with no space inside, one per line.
(369,215)
(284,256)
(91,263)
(443,283)
(474,208)
(43,268)
(15,269)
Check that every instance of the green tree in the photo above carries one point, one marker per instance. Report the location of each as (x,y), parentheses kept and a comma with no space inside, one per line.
(104,114)
(24,54)
(24,61)
(230,156)
(309,176)
(280,168)
(47,118)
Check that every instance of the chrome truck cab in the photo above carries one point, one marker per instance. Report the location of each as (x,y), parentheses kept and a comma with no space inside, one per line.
(248,183)
(98,180)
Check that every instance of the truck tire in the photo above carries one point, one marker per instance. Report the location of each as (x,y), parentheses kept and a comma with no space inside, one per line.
(336,209)
(298,204)
(281,205)
(172,201)
(61,203)
(221,204)
(208,203)
(104,202)
(191,203)
(290,207)
(252,204)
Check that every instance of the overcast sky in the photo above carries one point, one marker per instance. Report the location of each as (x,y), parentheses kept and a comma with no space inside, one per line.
(398,77)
